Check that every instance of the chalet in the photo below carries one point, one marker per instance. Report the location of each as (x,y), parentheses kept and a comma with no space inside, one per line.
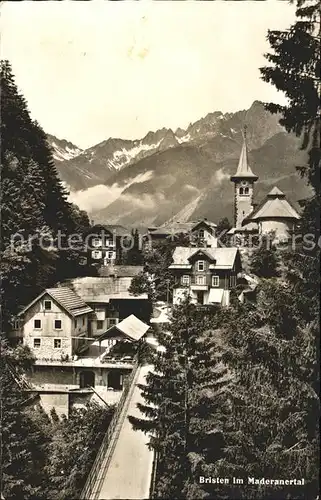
(111,301)
(56,326)
(63,384)
(203,234)
(120,271)
(105,244)
(199,233)
(205,274)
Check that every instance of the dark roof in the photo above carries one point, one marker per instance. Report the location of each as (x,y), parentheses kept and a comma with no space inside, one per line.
(66,298)
(275,205)
(172,228)
(116,229)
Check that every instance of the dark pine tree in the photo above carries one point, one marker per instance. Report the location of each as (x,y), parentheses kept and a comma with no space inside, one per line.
(264,260)
(34,208)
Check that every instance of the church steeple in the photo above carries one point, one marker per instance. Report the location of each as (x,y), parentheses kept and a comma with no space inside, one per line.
(244,170)
(243,181)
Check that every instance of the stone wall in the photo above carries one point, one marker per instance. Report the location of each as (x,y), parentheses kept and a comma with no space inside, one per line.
(59,379)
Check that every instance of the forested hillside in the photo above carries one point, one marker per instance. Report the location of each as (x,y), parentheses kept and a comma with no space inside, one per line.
(40,457)
(36,218)
(234,394)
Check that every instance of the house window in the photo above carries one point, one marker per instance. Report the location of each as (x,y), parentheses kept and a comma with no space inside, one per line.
(96,242)
(185,280)
(83,321)
(96,254)
(109,243)
(110,255)
(215,281)
(57,323)
(201,265)
(113,321)
(201,233)
(87,379)
(100,324)
(76,323)
(57,343)
(36,343)
(16,324)
(48,305)
(37,324)
(200,280)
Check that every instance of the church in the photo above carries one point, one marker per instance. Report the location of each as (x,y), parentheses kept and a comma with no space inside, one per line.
(274,214)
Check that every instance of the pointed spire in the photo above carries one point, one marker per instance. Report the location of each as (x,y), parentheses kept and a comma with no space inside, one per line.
(244,170)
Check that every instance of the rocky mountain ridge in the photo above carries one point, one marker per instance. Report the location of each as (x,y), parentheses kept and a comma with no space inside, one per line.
(62,149)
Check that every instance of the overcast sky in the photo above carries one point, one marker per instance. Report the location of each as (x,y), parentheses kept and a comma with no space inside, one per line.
(91,70)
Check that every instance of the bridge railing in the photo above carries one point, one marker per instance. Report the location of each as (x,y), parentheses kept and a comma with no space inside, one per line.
(100,457)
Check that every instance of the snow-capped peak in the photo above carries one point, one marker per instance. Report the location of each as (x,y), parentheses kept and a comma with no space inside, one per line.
(62,149)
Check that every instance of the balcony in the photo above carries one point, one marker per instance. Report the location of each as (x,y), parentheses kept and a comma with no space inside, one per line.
(199,282)
(110,244)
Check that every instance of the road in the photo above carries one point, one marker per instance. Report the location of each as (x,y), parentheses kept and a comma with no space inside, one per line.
(129,472)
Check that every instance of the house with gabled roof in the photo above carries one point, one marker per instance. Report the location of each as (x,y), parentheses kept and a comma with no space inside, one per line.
(105,243)
(67,372)
(130,329)
(206,275)
(274,214)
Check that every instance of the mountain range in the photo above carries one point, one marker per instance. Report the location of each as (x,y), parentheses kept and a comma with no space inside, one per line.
(183,174)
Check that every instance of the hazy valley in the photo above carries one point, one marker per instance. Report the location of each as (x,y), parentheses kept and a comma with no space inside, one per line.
(182,174)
